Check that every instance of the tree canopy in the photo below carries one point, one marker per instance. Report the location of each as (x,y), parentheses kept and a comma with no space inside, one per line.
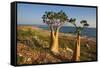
(79,28)
(55,19)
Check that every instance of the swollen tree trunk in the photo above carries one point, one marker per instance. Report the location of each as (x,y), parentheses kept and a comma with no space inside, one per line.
(51,38)
(76,55)
(55,43)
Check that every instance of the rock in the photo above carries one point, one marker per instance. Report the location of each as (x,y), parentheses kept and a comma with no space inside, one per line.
(87,46)
(29,59)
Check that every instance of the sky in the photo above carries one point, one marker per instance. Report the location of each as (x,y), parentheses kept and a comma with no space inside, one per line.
(32,13)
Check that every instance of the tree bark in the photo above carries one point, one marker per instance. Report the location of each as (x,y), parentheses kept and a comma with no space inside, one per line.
(76,55)
(51,35)
(55,43)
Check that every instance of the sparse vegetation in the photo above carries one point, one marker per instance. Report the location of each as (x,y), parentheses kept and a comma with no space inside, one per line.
(33,47)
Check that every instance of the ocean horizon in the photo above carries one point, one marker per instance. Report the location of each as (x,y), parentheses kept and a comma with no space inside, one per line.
(89,32)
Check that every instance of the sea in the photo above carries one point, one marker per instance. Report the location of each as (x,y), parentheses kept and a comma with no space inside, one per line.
(88,32)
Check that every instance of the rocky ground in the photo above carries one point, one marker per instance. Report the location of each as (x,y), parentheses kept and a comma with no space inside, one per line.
(33,47)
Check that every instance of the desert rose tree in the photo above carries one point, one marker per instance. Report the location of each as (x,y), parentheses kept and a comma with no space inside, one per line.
(76,54)
(54,20)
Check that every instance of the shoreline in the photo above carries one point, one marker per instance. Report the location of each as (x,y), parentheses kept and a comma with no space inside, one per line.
(60,33)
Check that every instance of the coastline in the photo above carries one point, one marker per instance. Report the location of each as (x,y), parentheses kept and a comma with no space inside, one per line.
(60,33)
